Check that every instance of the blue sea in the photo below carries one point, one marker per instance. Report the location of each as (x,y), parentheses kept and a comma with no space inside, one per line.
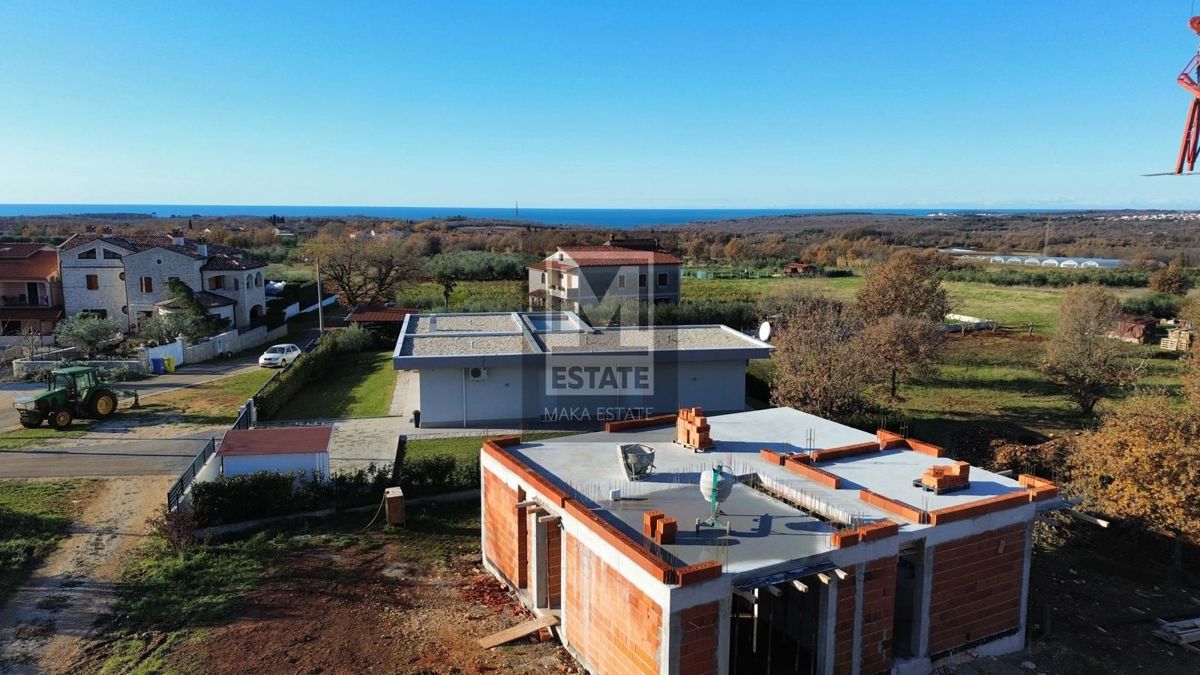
(611,218)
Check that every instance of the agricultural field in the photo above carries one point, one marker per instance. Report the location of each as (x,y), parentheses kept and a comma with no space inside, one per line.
(467,296)
(1012,306)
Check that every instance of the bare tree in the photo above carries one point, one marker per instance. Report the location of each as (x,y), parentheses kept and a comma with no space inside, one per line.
(31,342)
(361,271)
(1082,358)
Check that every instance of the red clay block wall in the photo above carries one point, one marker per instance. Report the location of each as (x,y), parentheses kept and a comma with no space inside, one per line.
(554,564)
(614,626)
(879,605)
(843,627)
(976,588)
(506,541)
(698,645)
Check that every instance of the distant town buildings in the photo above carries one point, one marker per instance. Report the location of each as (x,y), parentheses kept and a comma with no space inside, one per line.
(126,278)
(575,277)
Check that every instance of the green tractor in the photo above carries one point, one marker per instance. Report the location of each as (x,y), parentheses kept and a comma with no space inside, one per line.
(73,392)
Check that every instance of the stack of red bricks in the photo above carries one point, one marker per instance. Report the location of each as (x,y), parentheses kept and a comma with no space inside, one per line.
(658,526)
(942,477)
(692,430)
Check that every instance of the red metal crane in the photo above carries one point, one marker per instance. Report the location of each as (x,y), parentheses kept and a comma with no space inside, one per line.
(1189,79)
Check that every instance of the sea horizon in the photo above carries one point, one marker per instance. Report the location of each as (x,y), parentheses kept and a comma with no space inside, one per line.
(591,217)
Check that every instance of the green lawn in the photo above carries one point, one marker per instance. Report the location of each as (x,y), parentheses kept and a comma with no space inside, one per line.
(23,438)
(214,402)
(361,388)
(34,515)
(989,384)
(1012,306)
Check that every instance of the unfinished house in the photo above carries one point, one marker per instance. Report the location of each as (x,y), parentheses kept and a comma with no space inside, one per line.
(760,542)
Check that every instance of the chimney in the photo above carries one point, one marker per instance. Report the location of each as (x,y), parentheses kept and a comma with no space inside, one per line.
(202,249)
(89,228)
(177,237)
(107,229)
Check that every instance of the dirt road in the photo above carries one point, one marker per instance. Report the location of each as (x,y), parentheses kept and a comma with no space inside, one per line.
(50,619)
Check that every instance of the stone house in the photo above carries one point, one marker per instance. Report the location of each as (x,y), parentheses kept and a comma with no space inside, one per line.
(126,278)
(576,277)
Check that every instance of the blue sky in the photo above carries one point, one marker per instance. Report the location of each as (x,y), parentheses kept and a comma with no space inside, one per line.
(595,104)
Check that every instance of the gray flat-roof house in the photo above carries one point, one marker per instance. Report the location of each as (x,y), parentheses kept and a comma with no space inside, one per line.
(481,370)
(576,277)
(126,277)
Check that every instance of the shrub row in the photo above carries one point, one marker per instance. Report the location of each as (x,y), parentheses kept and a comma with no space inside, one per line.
(1114,278)
(271,493)
(1158,305)
(740,314)
(310,367)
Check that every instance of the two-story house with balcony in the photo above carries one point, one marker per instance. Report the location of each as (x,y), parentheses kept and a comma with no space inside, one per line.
(127,278)
(30,291)
(576,277)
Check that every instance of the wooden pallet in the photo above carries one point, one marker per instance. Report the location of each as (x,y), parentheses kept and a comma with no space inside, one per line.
(918,484)
(1182,633)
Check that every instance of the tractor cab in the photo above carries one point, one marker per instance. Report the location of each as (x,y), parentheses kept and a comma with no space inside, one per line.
(74,392)
(72,380)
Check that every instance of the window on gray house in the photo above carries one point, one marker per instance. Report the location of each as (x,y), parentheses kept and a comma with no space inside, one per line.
(147,285)
(662,278)
(93,282)
(89,254)
(111,255)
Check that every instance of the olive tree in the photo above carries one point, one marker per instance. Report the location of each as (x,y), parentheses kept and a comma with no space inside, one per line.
(1082,358)
(86,332)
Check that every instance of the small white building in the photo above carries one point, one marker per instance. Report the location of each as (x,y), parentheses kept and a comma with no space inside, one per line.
(282,449)
(494,369)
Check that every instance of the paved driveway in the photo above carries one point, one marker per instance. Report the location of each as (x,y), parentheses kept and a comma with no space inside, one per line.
(10,391)
(86,457)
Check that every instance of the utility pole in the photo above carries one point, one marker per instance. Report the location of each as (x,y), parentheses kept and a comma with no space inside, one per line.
(320,302)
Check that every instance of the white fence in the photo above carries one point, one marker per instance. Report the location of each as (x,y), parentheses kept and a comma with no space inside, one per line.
(174,350)
(231,342)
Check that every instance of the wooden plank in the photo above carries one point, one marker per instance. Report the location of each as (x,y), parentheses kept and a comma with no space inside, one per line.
(518,631)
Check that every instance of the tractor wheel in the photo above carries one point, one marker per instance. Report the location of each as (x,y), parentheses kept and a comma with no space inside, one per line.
(103,404)
(60,419)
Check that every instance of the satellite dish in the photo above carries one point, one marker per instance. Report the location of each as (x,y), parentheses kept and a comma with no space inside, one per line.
(764,331)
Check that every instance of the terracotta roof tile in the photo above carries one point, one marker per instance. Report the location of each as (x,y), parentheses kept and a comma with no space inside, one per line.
(380,314)
(594,256)
(39,265)
(276,441)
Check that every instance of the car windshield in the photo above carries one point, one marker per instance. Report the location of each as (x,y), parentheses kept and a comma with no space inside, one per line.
(275,350)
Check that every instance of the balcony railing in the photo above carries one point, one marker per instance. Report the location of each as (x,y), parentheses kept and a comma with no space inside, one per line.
(23,301)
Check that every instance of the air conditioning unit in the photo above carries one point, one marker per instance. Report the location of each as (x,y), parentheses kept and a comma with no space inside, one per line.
(477,374)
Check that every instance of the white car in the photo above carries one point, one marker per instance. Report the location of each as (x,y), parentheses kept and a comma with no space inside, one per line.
(279,356)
